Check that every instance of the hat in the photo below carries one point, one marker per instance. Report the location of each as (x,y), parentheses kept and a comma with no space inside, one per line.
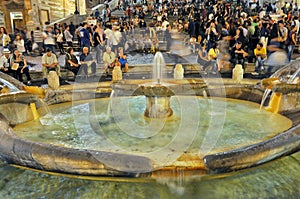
(6,50)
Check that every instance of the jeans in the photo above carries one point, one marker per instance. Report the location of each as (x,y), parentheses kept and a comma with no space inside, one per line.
(51,46)
(40,47)
(99,52)
(290,50)
(259,64)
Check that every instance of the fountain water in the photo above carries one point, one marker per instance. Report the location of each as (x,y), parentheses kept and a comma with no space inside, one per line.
(159,92)
(158,67)
(285,80)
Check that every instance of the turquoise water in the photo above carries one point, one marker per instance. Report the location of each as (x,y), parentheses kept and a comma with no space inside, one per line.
(198,126)
(70,125)
(277,179)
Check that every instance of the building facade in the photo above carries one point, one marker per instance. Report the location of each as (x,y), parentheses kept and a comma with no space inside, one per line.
(32,13)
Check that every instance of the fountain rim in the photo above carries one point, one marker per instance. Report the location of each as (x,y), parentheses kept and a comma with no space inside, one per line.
(234,164)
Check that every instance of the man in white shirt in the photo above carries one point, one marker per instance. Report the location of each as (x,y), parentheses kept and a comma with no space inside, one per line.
(49,63)
(115,38)
(5,61)
(38,39)
(108,59)
(49,39)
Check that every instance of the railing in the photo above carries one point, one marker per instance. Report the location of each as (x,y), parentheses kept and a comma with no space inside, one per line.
(112,5)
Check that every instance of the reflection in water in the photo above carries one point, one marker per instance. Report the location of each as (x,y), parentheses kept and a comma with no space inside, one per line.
(277,179)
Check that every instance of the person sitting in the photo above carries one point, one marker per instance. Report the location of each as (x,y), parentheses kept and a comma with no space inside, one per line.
(49,63)
(86,60)
(19,66)
(212,56)
(71,62)
(117,63)
(261,55)
(238,54)
(5,62)
(122,58)
(108,59)
(202,57)
(192,43)
(147,43)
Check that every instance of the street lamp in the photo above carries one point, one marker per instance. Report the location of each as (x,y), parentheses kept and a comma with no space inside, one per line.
(76,8)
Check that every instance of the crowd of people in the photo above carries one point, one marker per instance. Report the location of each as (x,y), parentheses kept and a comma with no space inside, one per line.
(218,32)
(226,33)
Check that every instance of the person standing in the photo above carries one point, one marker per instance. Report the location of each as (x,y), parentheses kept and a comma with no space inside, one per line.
(20,44)
(291,42)
(49,39)
(72,29)
(38,39)
(4,38)
(282,33)
(68,36)
(60,40)
(115,38)
(85,36)
(97,13)
(168,38)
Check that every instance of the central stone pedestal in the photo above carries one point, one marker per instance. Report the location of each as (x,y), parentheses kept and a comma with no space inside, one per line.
(158,107)
(158,95)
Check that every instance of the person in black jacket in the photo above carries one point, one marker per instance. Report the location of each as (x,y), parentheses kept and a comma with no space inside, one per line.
(238,54)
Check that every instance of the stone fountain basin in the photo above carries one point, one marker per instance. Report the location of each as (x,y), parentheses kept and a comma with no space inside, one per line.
(166,88)
(16,150)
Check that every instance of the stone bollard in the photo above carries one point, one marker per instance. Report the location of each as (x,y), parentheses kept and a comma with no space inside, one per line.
(117,73)
(178,71)
(53,80)
(238,73)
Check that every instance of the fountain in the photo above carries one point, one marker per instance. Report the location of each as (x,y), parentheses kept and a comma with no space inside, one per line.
(284,85)
(159,91)
(172,132)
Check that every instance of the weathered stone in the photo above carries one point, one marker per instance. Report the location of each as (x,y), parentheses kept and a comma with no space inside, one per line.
(237,73)
(53,80)
(117,73)
(178,72)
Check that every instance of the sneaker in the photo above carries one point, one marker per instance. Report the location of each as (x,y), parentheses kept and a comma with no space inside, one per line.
(28,83)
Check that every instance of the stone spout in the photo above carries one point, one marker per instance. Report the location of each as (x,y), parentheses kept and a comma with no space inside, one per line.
(158,107)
